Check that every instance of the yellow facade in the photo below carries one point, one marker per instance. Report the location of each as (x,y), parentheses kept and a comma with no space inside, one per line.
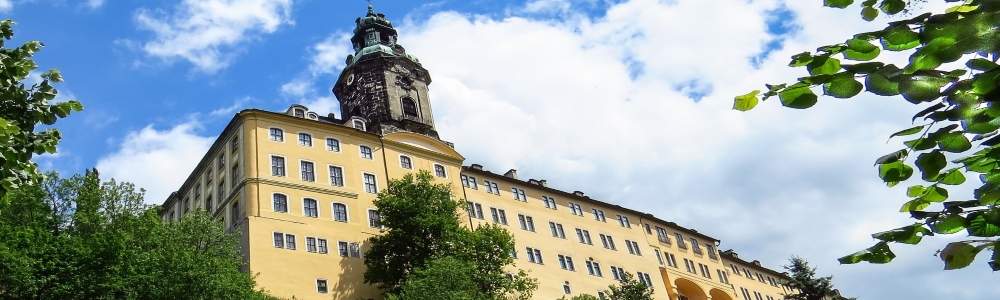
(298,186)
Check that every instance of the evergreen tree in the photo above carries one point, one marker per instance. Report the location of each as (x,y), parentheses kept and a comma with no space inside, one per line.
(805,284)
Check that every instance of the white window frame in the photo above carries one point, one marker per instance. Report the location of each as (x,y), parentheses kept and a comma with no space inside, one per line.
(364,184)
(327,144)
(313,170)
(361,153)
(270,136)
(369,211)
(355,122)
(284,165)
(298,139)
(401,156)
(343,179)
(443,170)
(286,202)
(304,207)
(347,212)
(327,282)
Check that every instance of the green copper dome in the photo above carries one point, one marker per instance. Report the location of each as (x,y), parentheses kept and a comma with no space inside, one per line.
(374,36)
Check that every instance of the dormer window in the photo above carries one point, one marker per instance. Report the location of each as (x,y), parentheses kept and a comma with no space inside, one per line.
(409,107)
(359,125)
(299,113)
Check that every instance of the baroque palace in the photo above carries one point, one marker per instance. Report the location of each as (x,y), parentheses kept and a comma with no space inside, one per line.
(298,187)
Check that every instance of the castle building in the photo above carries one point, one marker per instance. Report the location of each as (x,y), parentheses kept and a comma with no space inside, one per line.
(298,186)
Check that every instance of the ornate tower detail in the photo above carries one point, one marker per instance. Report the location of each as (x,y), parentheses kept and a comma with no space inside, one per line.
(383,84)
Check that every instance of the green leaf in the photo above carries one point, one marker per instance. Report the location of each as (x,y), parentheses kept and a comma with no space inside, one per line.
(978,224)
(914,205)
(859,49)
(746,102)
(908,131)
(954,142)
(931,163)
(837,3)
(863,68)
(921,88)
(928,110)
(868,13)
(920,144)
(953,177)
(899,38)
(892,7)
(892,157)
(801,59)
(878,254)
(907,235)
(934,194)
(981,64)
(823,65)
(958,255)
(879,84)
(895,172)
(799,97)
(914,191)
(949,225)
(842,85)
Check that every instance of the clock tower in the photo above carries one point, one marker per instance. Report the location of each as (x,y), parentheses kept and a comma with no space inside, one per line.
(382,84)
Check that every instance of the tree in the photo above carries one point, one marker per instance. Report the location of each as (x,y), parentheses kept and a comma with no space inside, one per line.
(959,120)
(629,289)
(80,238)
(423,244)
(21,109)
(806,286)
(582,297)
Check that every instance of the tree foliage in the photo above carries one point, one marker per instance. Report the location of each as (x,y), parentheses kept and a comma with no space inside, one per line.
(956,135)
(22,108)
(80,238)
(806,286)
(423,245)
(629,289)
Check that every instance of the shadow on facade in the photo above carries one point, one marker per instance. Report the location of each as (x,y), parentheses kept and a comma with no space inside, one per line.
(718,294)
(689,290)
(350,284)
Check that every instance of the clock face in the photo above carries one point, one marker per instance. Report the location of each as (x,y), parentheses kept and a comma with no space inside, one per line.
(350,78)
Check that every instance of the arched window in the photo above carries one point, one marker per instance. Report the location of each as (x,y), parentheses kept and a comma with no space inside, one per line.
(409,107)
(280,203)
(405,162)
(340,212)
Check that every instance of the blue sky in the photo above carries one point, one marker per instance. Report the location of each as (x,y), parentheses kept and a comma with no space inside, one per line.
(628,101)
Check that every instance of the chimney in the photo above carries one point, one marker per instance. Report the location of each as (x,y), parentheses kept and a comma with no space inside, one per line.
(578,193)
(512,174)
(543,182)
(756,263)
(331,116)
(477,167)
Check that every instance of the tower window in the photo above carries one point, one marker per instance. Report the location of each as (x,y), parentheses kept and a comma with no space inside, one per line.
(359,125)
(409,107)
(300,113)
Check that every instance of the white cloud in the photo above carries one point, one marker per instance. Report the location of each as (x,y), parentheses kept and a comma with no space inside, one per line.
(6,5)
(605,104)
(209,33)
(237,105)
(156,160)
(328,58)
(95,3)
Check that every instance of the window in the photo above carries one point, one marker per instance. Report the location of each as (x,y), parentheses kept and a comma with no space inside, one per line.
(208,203)
(633,247)
(534,255)
(234,144)
(374,219)
(405,162)
(658,257)
(491,187)
(566,288)
(599,215)
(308,171)
(705,271)
(747,273)
(499,216)
(594,268)
(277,135)
(336,176)
(527,223)
(772,281)
(409,107)
(279,240)
(757,296)
(299,113)
(222,164)
(661,235)
(607,241)
(234,213)
(518,194)
(311,244)
(310,208)
(332,144)
(187,204)
(347,249)
(222,191)
(623,221)
(711,251)
(584,236)
(689,265)
(321,286)
(671,260)
(695,247)
(557,230)
(359,125)
(371,186)
(234,174)
(366,152)
(575,209)
(290,241)
(566,263)
(323,247)
(277,165)
(746,293)
(469,182)
(305,140)
(735,269)
(340,212)
(680,241)
(644,278)
(208,177)
(549,202)
(602,295)
(475,210)
(760,277)
(723,277)
(439,171)
(646,226)
(617,273)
